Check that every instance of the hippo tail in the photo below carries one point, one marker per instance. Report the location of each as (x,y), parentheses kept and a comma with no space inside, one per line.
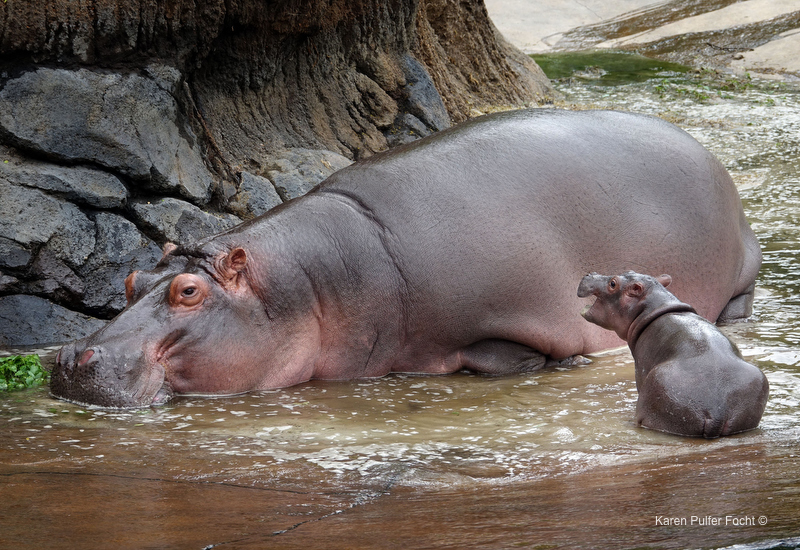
(715,427)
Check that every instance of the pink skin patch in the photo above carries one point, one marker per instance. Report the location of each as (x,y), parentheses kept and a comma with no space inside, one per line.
(85,357)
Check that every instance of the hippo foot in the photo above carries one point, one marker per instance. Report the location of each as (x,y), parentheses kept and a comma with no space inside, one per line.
(739,308)
(573,361)
(497,356)
(694,424)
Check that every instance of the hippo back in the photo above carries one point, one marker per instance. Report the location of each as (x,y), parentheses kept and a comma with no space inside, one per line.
(508,212)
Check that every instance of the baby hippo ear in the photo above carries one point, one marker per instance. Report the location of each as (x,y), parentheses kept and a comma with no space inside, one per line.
(230,265)
(634,289)
(665,280)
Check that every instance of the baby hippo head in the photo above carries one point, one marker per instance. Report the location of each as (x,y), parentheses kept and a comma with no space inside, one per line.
(619,299)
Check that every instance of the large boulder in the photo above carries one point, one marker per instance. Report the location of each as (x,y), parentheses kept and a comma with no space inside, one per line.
(179,222)
(81,184)
(120,248)
(126,123)
(31,320)
(31,219)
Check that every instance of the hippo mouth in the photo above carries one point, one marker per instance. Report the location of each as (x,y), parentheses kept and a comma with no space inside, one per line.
(155,389)
(589,306)
(588,289)
(588,312)
(90,381)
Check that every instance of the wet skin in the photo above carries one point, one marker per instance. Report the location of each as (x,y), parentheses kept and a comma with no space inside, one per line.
(691,379)
(462,250)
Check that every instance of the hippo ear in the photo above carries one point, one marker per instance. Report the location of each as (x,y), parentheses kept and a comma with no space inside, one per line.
(634,289)
(168,249)
(665,280)
(232,264)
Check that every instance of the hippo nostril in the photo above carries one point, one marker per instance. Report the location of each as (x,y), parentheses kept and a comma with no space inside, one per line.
(87,355)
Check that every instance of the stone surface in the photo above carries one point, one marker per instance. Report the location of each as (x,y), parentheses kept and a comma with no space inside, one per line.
(779,55)
(30,320)
(32,218)
(741,13)
(12,254)
(77,183)
(538,26)
(124,122)
(407,129)
(178,221)
(296,171)
(422,99)
(7,283)
(255,196)
(119,250)
(54,279)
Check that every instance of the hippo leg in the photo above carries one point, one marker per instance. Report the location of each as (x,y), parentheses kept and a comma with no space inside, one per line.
(665,404)
(496,356)
(740,307)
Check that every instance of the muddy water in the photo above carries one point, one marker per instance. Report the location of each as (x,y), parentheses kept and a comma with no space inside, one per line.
(545,460)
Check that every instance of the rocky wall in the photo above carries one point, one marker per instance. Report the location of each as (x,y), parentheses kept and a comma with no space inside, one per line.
(97,171)
(128,125)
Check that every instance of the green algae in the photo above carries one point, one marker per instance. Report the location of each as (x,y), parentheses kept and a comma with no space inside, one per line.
(606,67)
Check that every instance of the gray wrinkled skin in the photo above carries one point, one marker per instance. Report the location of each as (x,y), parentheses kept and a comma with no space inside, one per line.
(691,379)
(461,250)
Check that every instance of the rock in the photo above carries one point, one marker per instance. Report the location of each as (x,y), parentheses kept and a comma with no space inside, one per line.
(29,320)
(54,279)
(180,222)
(256,195)
(7,283)
(167,78)
(31,218)
(124,122)
(422,99)
(296,171)
(12,254)
(120,249)
(77,183)
(406,129)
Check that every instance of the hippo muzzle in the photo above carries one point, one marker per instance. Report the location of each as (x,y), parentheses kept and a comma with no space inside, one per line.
(91,375)
(591,286)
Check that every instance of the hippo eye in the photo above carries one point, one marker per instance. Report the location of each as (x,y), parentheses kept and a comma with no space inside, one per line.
(187,290)
(612,284)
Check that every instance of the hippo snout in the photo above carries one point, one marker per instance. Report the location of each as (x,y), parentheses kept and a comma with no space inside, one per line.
(94,375)
(73,363)
(590,284)
(65,358)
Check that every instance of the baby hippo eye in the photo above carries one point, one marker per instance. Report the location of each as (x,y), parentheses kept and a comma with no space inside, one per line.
(612,284)
(187,290)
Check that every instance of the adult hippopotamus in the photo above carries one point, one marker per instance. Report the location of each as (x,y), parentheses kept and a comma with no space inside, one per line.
(461,250)
(691,379)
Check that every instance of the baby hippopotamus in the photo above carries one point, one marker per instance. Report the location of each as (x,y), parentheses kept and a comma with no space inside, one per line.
(691,379)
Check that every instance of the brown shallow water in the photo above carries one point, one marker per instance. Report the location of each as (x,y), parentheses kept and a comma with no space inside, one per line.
(544,460)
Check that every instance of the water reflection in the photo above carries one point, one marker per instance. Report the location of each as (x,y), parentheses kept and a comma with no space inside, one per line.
(535,457)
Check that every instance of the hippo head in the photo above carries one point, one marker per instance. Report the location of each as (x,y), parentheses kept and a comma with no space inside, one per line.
(619,299)
(174,336)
